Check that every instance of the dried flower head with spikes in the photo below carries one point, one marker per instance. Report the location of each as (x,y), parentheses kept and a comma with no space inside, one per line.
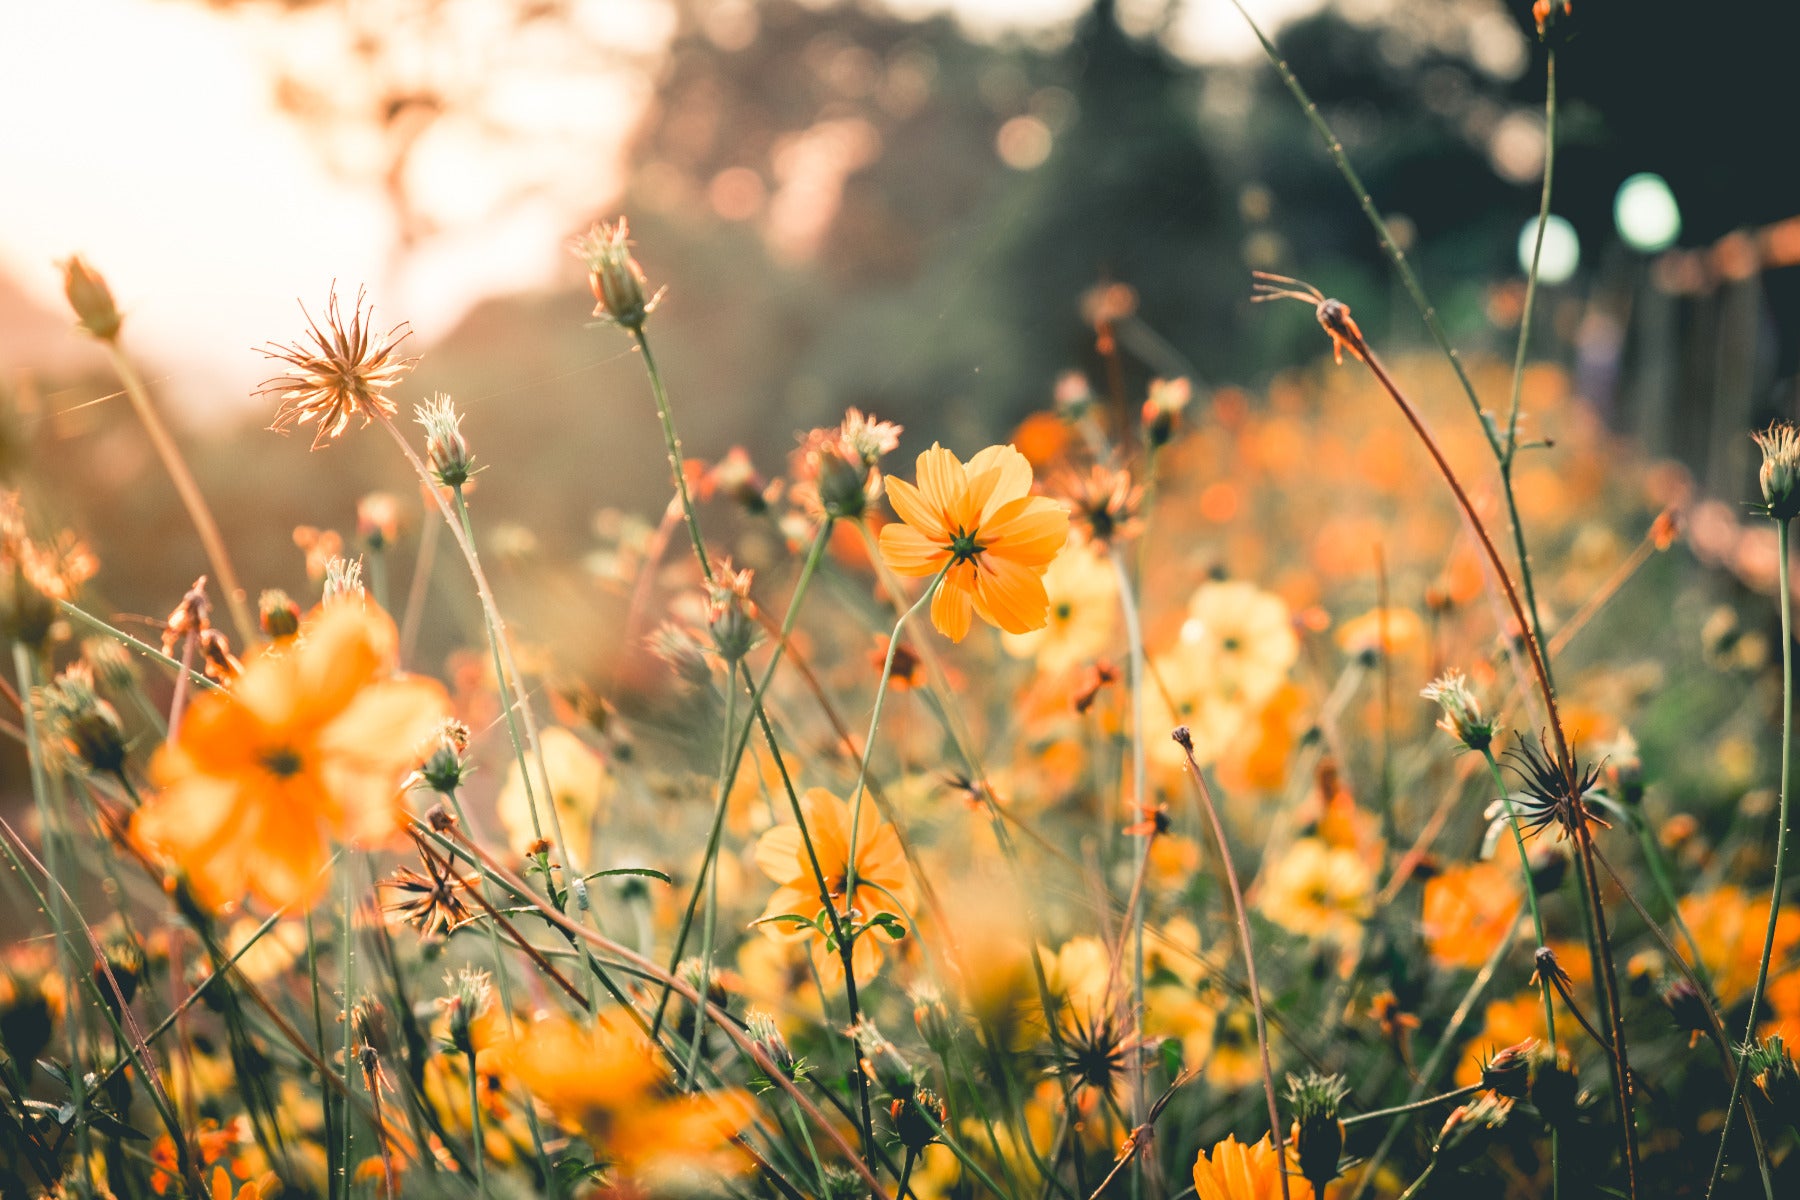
(1334,315)
(338,371)
(1549,795)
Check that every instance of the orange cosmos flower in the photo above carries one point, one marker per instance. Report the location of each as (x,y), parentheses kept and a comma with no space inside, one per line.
(308,747)
(881,873)
(978,524)
(1234,1171)
(605,1082)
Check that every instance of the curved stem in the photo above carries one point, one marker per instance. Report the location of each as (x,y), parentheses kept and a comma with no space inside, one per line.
(1243,924)
(1781,838)
(191,496)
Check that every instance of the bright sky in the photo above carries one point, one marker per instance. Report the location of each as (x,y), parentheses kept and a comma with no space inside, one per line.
(144,134)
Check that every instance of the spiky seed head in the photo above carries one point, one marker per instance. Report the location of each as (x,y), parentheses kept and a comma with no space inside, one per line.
(1780,474)
(337,372)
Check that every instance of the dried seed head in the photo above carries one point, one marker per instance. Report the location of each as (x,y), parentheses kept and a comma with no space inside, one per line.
(618,283)
(337,372)
(445,448)
(1780,474)
(91,299)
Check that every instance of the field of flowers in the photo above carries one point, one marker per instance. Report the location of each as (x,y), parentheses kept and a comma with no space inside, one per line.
(1376,786)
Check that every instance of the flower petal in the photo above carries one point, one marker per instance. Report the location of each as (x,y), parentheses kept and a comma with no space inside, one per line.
(909,552)
(916,510)
(952,609)
(1013,595)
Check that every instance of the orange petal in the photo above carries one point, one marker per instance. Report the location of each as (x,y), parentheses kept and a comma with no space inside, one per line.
(1013,595)
(909,552)
(941,479)
(1013,480)
(1031,531)
(913,508)
(952,609)
(780,853)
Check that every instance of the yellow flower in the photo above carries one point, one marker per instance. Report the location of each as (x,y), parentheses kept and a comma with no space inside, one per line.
(883,882)
(1083,615)
(1246,633)
(1234,1171)
(1188,693)
(1319,891)
(979,525)
(307,748)
(580,785)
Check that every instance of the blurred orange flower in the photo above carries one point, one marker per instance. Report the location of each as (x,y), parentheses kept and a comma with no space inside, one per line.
(605,1081)
(1468,909)
(978,524)
(307,748)
(883,881)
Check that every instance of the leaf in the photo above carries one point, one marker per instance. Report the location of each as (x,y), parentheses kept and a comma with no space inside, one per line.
(646,872)
(1171,1056)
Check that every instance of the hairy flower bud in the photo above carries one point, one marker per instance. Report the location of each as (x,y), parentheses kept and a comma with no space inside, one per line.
(617,281)
(1462,712)
(91,299)
(278,614)
(87,726)
(445,448)
(1318,1133)
(1780,474)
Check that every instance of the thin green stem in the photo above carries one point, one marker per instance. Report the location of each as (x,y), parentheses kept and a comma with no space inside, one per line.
(1185,740)
(348,981)
(1781,840)
(1414,1106)
(737,756)
(191,496)
(710,921)
(476,1137)
(1134,637)
(1452,1031)
(672,442)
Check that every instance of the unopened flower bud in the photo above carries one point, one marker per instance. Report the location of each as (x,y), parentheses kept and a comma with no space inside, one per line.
(91,299)
(442,768)
(1780,474)
(1318,1133)
(917,1119)
(618,283)
(445,449)
(1688,1009)
(88,727)
(1509,1071)
(110,662)
(769,1040)
(1470,1129)
(932,1018)
(1462,712)
(881,1060)
(470,992)
(378,520)
(278,614)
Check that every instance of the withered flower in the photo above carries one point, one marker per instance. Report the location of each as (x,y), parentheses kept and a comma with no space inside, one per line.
(337,372)
(1545,795)
(430,901)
